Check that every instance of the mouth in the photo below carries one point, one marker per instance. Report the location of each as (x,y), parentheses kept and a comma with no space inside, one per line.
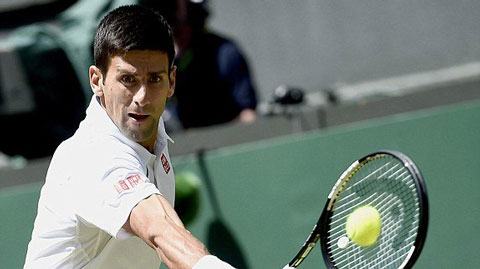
(138,117)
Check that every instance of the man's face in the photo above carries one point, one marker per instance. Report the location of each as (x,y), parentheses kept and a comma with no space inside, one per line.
(134,91)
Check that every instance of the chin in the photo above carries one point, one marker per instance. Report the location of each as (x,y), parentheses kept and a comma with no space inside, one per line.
(139,138)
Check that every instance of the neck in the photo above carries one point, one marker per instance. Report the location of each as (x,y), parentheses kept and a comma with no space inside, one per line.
(149,145)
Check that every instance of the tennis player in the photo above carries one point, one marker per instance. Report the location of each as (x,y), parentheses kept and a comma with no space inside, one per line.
(108,197)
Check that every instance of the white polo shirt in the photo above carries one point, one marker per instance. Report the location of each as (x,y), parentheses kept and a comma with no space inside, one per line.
(94,180)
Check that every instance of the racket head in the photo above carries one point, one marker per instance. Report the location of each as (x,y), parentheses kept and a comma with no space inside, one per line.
(392,183)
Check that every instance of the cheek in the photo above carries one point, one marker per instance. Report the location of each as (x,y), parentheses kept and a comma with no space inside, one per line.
(160,101)
(160,95)
(121,97)
(124,98)
(117,101)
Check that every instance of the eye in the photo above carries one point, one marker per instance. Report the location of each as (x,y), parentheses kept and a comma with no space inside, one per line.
(127,79)
(156,78)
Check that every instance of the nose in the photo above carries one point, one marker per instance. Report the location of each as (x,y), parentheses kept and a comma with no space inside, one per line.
(141,96)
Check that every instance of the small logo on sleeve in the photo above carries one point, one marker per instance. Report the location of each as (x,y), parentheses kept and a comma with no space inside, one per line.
(128,183)
(165,164)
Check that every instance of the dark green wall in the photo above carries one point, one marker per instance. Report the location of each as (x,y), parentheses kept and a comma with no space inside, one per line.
(18,207)
(271,192)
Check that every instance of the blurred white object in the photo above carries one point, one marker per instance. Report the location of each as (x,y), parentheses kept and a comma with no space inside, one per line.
(15,162)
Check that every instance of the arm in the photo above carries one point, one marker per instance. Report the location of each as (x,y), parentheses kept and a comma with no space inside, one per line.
(155,221)
(247,116)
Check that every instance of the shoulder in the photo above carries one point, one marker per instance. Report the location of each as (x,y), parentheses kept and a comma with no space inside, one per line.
(223,42)
(93,156)
(109,153)
(94,146)
(224,46)
(218,38)
(214,42)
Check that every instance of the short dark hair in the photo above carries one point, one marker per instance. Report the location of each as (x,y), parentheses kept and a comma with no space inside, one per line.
(131,27)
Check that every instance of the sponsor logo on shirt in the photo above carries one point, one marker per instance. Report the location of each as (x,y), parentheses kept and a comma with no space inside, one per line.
(165,164)
(128,183)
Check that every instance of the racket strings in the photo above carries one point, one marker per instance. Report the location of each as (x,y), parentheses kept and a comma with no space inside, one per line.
(389,227)
(386,184)
(351,202)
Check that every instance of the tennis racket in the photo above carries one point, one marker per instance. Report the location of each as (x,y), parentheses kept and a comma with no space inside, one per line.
(390,182)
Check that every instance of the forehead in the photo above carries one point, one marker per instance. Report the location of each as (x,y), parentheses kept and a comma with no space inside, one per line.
(140,61)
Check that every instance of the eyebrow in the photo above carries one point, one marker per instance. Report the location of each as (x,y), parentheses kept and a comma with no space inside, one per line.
(123,70)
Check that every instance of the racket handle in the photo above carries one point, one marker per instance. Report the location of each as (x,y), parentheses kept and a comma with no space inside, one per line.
(288,267)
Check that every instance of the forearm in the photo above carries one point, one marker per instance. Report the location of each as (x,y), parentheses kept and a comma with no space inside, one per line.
(155,221)
(180,249)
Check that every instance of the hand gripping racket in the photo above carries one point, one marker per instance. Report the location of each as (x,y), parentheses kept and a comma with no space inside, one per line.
(390,182)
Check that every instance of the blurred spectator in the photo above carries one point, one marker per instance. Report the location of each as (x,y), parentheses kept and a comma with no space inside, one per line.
(213,80)
(45,100)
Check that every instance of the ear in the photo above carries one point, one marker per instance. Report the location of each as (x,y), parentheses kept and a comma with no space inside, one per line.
(173,75)
(96,80)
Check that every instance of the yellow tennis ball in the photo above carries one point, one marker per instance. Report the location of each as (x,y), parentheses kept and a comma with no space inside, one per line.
(364,225)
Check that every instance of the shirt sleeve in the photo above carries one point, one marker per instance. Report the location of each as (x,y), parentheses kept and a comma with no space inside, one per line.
(108,189)
(211,262)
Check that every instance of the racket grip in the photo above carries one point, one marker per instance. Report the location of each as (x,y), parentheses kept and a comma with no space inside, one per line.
(288,267)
